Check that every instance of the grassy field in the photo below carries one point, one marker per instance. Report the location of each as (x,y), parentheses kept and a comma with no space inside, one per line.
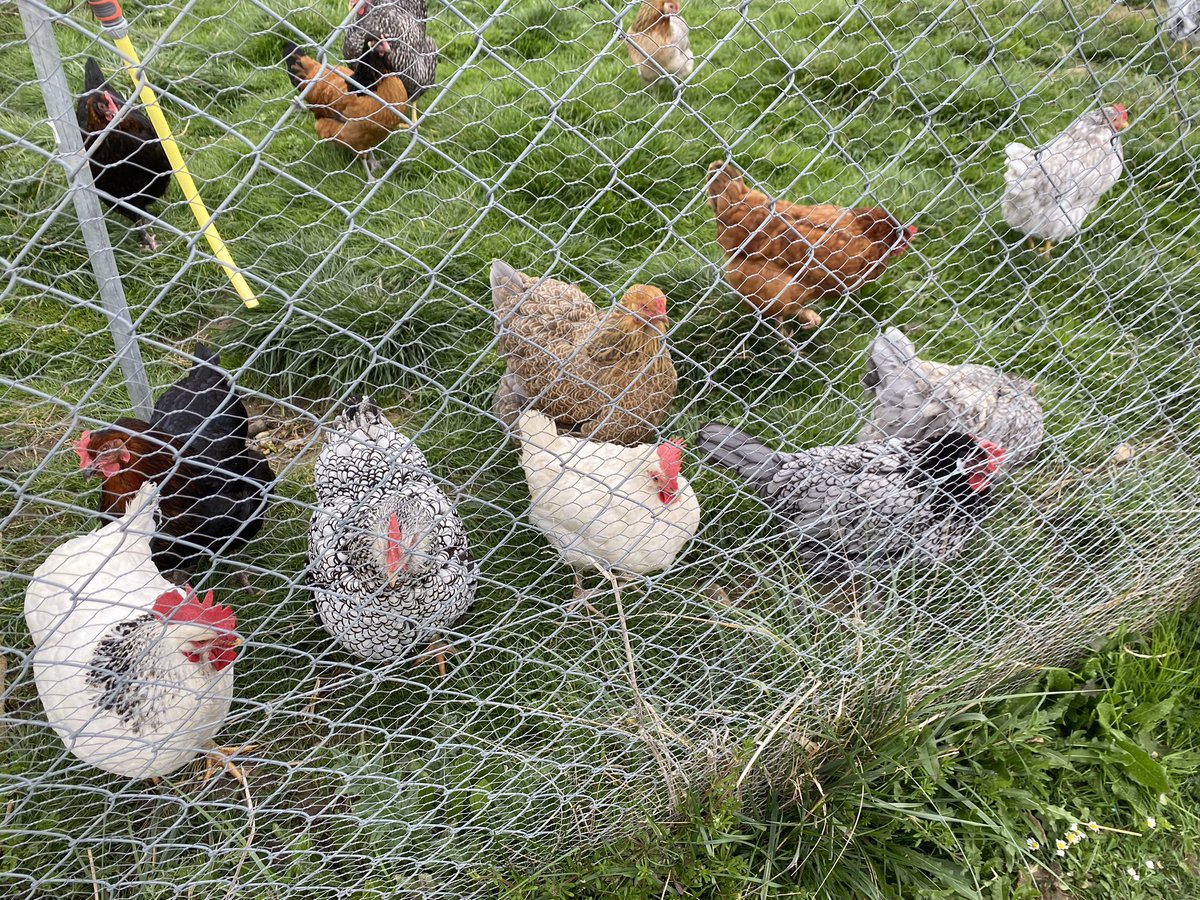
(957,799)
(540,147)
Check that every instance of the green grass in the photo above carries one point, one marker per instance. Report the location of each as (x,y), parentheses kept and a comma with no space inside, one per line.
(393,780)
(944,801)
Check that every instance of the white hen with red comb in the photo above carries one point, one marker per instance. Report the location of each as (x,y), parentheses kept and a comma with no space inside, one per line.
(605,506)
(135,674)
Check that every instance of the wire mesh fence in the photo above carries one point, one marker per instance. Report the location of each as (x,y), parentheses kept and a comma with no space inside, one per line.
(558,722)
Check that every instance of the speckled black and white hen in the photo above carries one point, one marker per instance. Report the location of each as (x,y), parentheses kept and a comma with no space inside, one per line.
(412,55)
(872,506)
(388,560)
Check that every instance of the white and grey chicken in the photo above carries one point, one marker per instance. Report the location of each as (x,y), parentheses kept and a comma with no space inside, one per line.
(1183,21)
(388,558)
(919,399)
(135,674)
(867,507)
(604,506)
(658,42)
(1050,191)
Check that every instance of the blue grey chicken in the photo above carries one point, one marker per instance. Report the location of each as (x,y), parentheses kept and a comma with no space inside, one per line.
(401,23)
(867,507)
(388,560)
(917,398)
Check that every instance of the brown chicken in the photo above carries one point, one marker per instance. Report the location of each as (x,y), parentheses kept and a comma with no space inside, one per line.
(603,375)
(359,108)
(658,42)
(782,257)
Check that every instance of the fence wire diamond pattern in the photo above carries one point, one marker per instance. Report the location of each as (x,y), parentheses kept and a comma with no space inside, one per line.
(555,726)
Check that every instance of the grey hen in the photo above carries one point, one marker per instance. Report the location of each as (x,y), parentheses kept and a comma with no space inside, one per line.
(918,399)
(388,558)
(867,507)
(402,23)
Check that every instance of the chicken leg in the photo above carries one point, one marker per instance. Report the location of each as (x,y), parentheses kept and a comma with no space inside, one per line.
(579,597)
(146,237)
(371,165)
(437,651)
(221,758)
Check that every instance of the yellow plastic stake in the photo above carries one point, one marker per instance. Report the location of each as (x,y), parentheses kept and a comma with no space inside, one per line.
(108,12)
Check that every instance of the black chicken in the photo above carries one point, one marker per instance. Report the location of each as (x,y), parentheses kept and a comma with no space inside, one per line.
(870,506)
(401,23)
(129,166)
(214,486)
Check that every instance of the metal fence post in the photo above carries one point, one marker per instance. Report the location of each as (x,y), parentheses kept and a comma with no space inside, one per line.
(60,108)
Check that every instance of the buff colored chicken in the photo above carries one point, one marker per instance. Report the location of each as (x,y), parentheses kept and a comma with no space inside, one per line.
(782,257)
(603,506)
(1051,190)
(603,375)
(658,42)
(357,108)
(916,398)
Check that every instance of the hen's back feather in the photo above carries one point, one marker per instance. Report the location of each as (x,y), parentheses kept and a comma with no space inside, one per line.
(919,399)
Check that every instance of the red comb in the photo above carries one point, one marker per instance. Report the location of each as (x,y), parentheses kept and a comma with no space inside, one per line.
(81,448)
(179,608)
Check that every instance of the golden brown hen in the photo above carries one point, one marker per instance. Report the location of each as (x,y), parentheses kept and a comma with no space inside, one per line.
(605,375)
(782,257)
(358,108)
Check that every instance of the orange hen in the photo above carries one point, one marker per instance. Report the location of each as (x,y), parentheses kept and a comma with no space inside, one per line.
(781,257)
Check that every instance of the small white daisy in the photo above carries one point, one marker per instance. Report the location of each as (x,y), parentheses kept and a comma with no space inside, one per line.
(1133,873)
(1032,844)
(1151,822)
(1151,865)
(1092,826)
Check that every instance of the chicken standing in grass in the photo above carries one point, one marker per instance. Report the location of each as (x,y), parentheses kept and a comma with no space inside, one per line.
(388,560)
(605,375)
(1050,191)
(135,674)
(782,257)
(358,108)
(918,399)
(128,164)
(409,51)
(215,487)
(867,507)
(603,506)
(658,43)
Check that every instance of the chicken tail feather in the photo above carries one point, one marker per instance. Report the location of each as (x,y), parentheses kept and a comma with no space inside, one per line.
(890,351)
(725,446)
(507,286)
(93,78)
(298,65)
(725,179)
(537,429)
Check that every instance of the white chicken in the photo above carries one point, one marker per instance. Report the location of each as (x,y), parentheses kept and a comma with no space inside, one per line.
(1050,191)
(604,506)
(135,674)
(658,42)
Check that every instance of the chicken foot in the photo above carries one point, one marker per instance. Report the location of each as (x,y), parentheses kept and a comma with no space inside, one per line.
(221,759)
(437,652)
(1045,249)
(580,597)
(146,237)
(371,165)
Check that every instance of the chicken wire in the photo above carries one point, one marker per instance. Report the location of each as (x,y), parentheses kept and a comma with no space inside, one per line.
(557,728)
